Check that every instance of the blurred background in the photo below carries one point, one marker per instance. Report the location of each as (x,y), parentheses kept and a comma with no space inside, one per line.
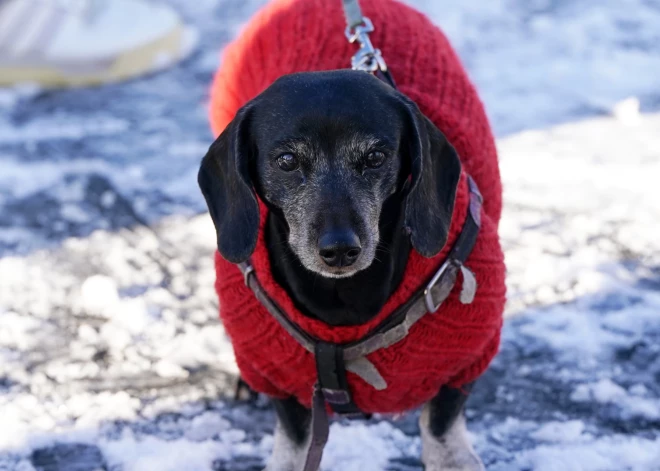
(111,353)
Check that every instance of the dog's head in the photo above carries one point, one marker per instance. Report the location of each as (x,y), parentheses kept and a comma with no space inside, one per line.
(324,150)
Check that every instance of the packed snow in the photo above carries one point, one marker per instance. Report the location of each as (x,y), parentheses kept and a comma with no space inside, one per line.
(112,356)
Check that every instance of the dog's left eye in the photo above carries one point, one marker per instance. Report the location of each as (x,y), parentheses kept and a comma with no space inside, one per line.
(287,162)
(375,159)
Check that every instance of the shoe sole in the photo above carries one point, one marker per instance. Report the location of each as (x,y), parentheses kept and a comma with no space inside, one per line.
(145,59)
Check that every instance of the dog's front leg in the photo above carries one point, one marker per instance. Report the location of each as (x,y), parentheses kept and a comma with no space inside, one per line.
(292,436)
(445,443)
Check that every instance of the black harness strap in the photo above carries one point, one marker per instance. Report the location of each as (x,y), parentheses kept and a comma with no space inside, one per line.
(332,380)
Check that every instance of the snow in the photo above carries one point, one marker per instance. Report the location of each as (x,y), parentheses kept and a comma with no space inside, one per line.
(111,352)
(632,403)
(569,431)
(544,60)
(594,455)
(165,455)
(627,111)
(361,447)
(99,292)
(39,130)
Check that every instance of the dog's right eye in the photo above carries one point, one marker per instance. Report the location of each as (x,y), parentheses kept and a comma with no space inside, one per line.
(375,159)
(287,162)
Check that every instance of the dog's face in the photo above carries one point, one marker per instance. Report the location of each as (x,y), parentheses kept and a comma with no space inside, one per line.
(325,150)
(327,162)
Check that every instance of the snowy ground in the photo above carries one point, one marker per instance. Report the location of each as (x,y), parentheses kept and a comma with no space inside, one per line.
(111,354)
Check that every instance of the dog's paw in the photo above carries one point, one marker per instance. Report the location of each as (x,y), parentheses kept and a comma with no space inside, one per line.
(272,467)
(450,452)
(277,462)
(287,455)
(288,466)
(463,460)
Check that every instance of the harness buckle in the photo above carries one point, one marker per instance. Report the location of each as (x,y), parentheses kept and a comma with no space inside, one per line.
(428,296)
(336,396)
(367,58)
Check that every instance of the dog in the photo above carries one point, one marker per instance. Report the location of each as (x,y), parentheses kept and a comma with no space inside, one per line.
(347,197)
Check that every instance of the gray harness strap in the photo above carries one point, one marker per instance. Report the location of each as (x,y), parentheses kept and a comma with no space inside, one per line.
(355,354)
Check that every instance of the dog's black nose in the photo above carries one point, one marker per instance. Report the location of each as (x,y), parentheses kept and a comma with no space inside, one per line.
(339,248)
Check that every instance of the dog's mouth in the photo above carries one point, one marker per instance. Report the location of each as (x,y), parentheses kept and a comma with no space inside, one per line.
(345,267)
(339,272)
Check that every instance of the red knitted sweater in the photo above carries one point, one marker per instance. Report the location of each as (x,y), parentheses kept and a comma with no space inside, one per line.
(454,345)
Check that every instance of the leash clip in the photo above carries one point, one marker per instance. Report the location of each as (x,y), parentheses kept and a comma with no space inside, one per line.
(367,58)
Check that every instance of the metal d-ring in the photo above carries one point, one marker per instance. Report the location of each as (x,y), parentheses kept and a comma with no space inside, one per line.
(428,297)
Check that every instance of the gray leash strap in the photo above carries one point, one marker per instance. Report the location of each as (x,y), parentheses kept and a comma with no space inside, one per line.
(438,290)
(353,13)
(320,430)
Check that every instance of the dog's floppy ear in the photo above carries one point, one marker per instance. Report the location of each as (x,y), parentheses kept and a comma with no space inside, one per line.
(224,179)
(435,170)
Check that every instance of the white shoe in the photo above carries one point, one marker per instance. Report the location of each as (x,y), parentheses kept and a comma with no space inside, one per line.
(59,43)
